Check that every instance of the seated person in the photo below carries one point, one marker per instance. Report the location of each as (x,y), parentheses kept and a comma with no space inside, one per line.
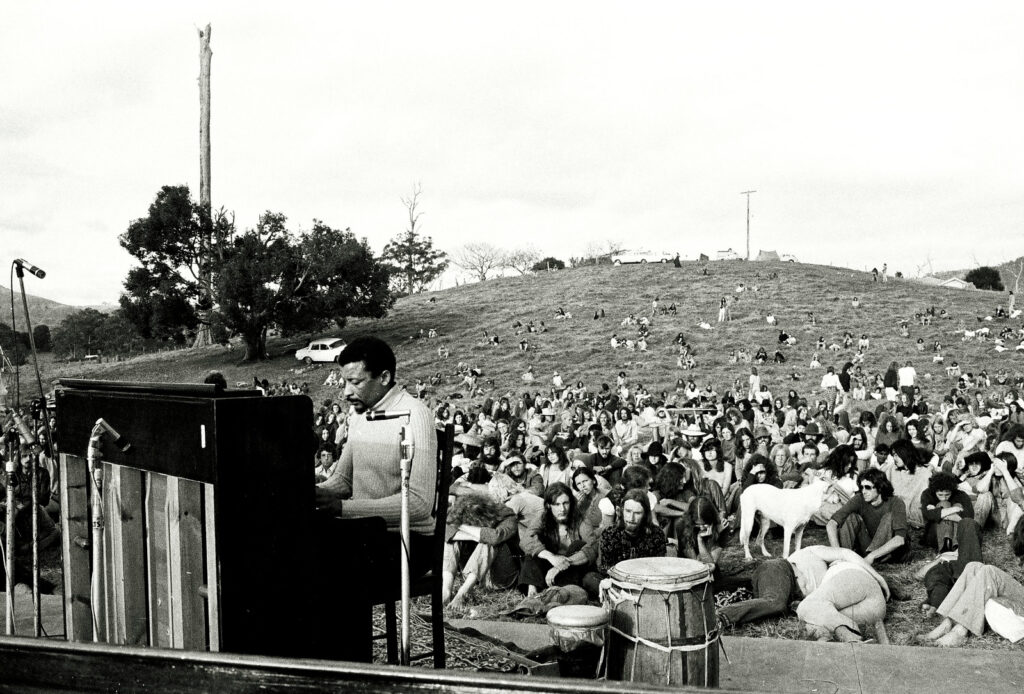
(699,536)
(521,477)
(943,506)
(983,594)
(49,532)
(604,462)
(324,465)
(588,495)
(481,540)
(873,522)
(976,481)
(633,535)
(841,592)
(564,549)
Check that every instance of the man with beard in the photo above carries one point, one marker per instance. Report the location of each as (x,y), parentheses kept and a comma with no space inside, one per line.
(604,462)
(633,536)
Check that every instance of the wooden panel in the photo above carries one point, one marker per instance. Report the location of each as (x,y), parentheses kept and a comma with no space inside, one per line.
(125,558)
(74,526)
(156,560)
(31,665)
(185,564)
(212,568)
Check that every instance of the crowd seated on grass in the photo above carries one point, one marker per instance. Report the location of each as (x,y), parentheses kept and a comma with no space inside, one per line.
(552,486)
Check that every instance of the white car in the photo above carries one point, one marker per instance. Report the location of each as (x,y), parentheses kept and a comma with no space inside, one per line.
(641,257)
(787,258)
(324,349)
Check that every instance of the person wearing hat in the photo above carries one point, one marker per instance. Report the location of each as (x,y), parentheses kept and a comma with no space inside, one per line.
(964,438)
(522,477)
(811,435)
(465,451)
(694,436)
(544,426)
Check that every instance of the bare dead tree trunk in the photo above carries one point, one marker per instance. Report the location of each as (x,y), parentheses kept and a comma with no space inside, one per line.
(1017,272)
(205,200)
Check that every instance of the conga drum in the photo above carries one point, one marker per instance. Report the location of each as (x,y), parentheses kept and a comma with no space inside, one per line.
(579,632)
(663,627)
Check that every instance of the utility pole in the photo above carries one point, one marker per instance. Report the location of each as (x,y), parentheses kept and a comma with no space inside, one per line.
(747,193)
(205,200)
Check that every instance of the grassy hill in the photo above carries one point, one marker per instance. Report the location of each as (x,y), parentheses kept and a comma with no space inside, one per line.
(579,348)
(43,311)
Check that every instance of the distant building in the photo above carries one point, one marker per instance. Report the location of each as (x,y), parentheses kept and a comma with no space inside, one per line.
(957,283)
(728,254)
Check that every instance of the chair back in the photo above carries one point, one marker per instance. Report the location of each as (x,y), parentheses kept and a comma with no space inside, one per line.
(445,445)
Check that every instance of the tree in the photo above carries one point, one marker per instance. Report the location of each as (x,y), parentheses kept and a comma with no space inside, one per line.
(14,344)
(480,259)
(985,277)
(41,336)
(522,260)
(79,334)
(548,263)
(411,257)
(270,277)
(165,296)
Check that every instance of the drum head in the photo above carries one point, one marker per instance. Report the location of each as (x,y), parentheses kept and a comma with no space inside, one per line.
(664,571)
(577,616)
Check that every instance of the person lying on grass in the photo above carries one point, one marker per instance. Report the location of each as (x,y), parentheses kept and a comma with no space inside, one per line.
(983,595)
(841,594)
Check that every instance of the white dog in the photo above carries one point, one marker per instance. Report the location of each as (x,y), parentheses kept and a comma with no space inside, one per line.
(790,508)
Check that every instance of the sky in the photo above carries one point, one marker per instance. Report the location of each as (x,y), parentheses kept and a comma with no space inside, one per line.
(872,132)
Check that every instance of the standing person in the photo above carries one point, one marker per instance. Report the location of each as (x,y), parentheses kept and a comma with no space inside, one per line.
(360,503)
(906,375)
(723,311)
(831,385)
(885,272)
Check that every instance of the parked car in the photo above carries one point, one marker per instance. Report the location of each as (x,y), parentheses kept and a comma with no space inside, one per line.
(788,258)
(324,349)
(640,256)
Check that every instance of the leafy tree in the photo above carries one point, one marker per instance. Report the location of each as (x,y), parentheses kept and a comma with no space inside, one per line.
(41,336)
(167,295)
(480,259)
(270,277)
(80,333)
(410,256)
(548,263)
(14,344)
(985,277)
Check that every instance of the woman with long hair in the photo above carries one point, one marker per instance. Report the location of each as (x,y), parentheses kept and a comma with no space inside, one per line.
(555,469)
(888,430)
(861,447)
(745,447)
(916,431)
(908,471)
(840,470)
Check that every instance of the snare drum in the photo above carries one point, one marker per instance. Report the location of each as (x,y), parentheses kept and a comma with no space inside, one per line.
(663,626)
(579,632)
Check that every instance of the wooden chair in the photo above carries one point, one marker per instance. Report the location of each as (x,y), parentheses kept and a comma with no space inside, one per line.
(430,583)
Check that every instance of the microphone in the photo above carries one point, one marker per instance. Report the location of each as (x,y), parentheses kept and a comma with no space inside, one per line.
(22,263)
(119,441)
(386,414)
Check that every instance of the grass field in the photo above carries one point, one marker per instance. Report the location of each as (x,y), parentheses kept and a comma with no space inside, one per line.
(579,349)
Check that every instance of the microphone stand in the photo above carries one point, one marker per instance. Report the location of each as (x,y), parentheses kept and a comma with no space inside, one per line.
(12,453)
(407,448)
(37,622)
